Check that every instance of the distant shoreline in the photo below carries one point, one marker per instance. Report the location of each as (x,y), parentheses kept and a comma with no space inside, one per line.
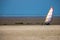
(25,16)
(27,20)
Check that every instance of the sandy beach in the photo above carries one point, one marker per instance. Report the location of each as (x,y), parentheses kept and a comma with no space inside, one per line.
(30,32)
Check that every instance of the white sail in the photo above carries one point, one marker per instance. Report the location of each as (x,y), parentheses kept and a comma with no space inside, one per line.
(49,16)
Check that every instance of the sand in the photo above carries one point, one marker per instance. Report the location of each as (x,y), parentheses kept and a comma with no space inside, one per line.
(30,32)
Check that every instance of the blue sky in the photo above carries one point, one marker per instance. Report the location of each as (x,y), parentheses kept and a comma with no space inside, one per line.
(28,7)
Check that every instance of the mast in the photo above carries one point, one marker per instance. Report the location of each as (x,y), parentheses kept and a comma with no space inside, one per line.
(49,16)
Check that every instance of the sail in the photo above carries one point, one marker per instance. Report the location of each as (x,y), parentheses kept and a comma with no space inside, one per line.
(49,15)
